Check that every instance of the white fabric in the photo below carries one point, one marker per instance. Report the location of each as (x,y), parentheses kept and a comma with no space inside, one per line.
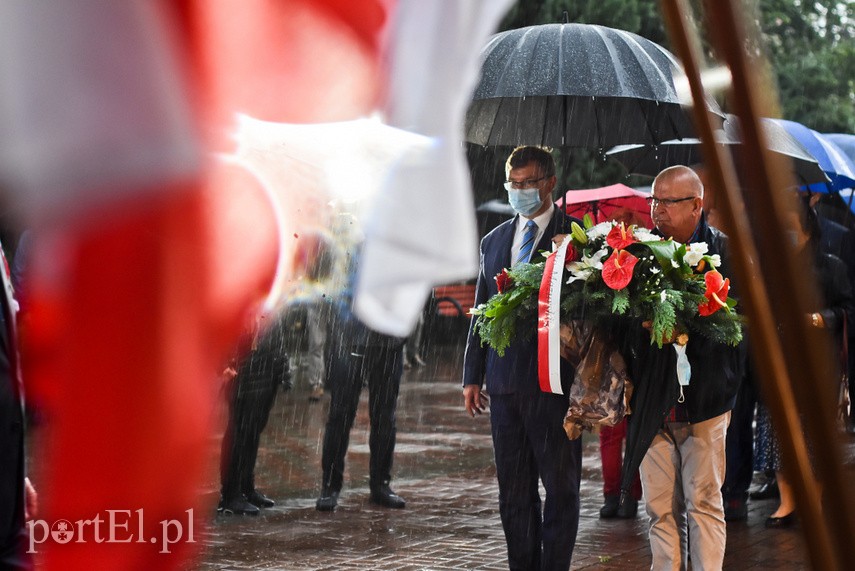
(421,230)
(90,103)
(553,319)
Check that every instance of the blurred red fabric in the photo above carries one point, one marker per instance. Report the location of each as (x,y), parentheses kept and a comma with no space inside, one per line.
(125,346)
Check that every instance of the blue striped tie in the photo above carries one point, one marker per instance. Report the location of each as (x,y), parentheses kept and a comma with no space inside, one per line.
(528,242)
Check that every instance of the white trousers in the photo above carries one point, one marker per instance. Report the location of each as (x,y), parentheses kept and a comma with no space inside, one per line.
(682,474)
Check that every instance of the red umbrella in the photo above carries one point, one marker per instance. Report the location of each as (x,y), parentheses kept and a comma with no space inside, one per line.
(616,202)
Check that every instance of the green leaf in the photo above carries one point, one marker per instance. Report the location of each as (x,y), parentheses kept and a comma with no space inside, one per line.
(664,251)
(620,303)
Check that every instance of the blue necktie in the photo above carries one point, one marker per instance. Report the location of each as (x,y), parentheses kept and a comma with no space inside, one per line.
(528,243)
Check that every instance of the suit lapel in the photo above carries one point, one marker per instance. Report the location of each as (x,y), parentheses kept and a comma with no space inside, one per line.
(500,255)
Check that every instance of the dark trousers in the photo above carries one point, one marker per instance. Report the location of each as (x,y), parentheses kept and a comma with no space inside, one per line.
(530,445)
(380,368)
(250,399)
(739,445)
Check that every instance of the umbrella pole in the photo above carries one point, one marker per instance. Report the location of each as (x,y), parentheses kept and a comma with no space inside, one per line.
(796,354)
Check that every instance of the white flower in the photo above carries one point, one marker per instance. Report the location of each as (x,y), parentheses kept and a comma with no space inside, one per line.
(695,252)
(654,270)
(600,230)
(578,272)
(645,235)
(663,296)
(715,260)
(582,269)
(675,264)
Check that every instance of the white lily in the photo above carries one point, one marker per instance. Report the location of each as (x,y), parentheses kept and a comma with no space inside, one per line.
(694,253)
(582,269)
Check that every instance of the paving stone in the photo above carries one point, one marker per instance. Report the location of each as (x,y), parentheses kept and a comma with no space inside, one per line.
(444,469)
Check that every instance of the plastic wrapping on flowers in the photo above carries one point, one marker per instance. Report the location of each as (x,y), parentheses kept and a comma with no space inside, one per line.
(618,272)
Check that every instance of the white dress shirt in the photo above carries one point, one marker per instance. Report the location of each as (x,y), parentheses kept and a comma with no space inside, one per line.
(542,222)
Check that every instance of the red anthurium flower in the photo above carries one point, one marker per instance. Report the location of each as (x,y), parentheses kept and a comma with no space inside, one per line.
(620,237)
(617,270)
(503,280)
(716,294)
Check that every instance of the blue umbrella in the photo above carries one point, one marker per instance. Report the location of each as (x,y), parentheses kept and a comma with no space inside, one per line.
(846,143)
(835,163)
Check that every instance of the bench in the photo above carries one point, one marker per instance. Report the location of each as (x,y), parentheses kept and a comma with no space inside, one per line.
(454,300)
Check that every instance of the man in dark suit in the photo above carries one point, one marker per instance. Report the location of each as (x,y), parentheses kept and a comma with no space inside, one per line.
(360,356)
(251,395)
(527,425)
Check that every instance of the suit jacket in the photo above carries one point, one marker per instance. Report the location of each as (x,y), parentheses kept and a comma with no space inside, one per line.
(516,372)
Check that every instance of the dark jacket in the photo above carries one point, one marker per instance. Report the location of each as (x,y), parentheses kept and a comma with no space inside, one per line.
(716,368)
(716,372)
(516,371)
(835,291)
(346,328)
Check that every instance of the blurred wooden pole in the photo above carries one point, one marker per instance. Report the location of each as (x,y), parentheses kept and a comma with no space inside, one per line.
(797,354)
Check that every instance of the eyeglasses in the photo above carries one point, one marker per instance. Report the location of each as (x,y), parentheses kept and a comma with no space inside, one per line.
(653,202)
(520,184)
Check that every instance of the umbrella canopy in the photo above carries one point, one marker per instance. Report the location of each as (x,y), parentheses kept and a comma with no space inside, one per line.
(576,85)
(840,170)
(652,159)
(616,202)
(844,142)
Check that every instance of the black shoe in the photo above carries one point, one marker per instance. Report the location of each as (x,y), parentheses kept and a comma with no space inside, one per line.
(627,509)
(384,496)
(767,491)
(610,507)
(317,393)
(735,510)
(327,502)
(782,522)
(257,498)
(237,506)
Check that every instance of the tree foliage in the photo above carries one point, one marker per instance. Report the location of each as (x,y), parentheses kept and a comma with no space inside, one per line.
(811,49)
(809,44)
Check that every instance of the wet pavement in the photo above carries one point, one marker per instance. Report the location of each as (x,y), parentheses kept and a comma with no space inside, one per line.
(443,468)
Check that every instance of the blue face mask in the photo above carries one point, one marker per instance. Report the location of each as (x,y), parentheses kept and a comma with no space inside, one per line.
(525,201)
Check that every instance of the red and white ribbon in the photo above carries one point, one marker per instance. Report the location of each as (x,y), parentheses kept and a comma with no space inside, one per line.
(549,323)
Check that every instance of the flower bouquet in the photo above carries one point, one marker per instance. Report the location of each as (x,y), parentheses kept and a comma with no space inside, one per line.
(613,273)
(618,271)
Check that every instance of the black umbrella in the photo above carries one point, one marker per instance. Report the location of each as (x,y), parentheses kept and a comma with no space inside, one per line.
(576,85)
(651,159)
